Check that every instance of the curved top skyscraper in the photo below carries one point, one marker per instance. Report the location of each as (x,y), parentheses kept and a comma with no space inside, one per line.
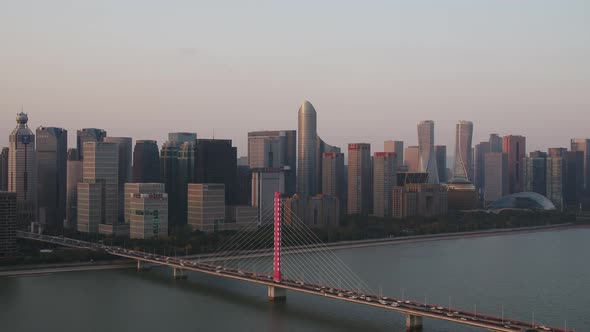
(463,156)
(427,158)
(307,150)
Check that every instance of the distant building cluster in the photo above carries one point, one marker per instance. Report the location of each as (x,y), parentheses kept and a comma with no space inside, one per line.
(109,186)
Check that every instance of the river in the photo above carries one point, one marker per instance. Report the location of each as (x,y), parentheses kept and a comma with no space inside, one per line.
(545,275)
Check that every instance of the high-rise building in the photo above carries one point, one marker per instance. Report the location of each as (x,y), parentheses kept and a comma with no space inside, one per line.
(496,144)
(463,168)
(74,176)
(146,162)
(427,157)
(556,152)
(244,185)
(146,210)
(412,158)
(574,186)
(187,173)
(334,176)
(125,147)
(265,182)
(440,152)
(52,148)
(88,135)
(4,169)
(479,175)
(176,174)
(496,174)
(7,223)
(384,179)
(275,149)
(22,170)
(98,194)
(396,147)
(206,206)
(535,172)
(307,150)
(556,178)
(583,144)
(217,163)
(359,179)
(182,137)
(514,146)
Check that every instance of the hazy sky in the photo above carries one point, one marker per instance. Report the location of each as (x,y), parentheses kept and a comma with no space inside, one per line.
(372,69)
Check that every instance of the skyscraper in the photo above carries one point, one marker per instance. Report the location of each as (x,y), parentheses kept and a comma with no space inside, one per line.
(217,162)
(359,178)
(52,147)
(514,147)
(463,154)
(169,176)
(333,177)
(307,150)
(427,157)
(98,194)
(74,176)
(125,147)
(574,186)
(535,172)
(7,223)
(384,180)
(176,172)
(496,169)
(412,158)
(88,135)
(441,162)
(479,175)
(583,144)
(22,170)
(182,137)
(396,147)
(556,181)
(4,169)
(146,162)
(556,152)
(275,149)
(495,143)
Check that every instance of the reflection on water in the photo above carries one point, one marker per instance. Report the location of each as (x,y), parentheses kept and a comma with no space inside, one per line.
(542,273)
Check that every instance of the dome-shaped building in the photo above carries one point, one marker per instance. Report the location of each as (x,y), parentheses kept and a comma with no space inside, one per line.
(523,200)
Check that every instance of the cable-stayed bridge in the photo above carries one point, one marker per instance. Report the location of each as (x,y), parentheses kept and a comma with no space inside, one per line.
(301,263)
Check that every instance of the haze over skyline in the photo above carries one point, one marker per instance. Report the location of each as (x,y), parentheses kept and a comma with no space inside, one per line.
(372,70)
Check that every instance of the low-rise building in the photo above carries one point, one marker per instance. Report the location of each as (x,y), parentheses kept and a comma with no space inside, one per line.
(146,210)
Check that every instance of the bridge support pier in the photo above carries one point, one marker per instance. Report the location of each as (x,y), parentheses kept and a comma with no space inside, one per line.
(277,294)
(141,266)
(179,274)
(413,323)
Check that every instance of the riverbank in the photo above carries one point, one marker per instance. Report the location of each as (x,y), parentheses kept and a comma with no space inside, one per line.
(40,269)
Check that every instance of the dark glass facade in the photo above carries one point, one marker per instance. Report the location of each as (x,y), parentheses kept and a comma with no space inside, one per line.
(88,135)
(52,149)
(217,163)
(146,162)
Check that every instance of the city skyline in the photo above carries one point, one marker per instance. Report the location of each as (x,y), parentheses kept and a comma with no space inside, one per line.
(108,73)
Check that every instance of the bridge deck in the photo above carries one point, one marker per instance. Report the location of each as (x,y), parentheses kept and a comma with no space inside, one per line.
(389,303)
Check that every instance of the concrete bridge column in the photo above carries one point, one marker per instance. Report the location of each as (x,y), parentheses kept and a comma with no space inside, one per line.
(141,266)
(413,323)
(277,294)
(179,274)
